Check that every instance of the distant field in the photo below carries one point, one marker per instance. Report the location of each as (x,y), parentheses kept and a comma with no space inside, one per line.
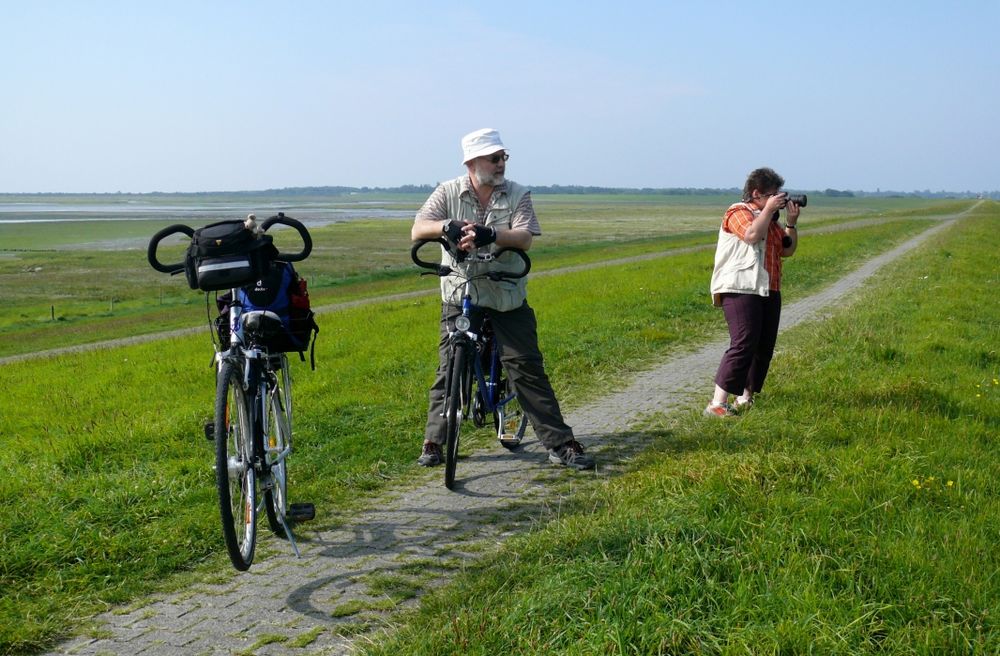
(86,279)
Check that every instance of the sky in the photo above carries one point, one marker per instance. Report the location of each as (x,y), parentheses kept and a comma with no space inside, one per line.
(176,96)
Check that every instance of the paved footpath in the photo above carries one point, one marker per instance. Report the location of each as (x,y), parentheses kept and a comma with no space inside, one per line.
(351,578)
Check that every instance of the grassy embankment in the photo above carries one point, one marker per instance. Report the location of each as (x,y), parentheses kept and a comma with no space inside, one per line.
(105,447)
(855,510)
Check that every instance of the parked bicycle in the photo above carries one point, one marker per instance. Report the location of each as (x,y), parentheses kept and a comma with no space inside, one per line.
(476,384)
(252,427)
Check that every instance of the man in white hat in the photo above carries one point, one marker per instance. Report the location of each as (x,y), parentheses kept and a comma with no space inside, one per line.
(482,209)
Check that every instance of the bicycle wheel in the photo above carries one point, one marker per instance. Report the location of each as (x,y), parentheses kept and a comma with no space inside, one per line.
(454,405)
(509,419)
(277,439)
(235,477)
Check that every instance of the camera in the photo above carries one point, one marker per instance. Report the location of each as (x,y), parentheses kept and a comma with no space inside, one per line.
(798,199)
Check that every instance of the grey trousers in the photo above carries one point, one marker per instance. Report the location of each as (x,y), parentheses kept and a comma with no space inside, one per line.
(516,332)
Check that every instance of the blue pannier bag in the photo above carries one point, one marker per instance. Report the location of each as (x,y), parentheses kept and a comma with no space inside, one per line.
(282,291)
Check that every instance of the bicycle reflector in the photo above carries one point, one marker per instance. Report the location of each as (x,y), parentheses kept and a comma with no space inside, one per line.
(462,323)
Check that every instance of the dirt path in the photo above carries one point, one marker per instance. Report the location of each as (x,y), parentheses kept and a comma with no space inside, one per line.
(419,535)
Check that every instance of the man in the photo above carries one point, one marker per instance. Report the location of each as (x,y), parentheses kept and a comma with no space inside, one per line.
(483,209)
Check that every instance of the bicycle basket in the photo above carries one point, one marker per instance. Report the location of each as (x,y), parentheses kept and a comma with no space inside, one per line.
(225,255)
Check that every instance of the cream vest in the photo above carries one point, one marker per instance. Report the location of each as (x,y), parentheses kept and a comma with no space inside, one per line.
(739,266)
(502,295)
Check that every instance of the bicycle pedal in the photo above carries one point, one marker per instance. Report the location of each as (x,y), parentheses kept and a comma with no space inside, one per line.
(210,431)
(509,441)
(301,512)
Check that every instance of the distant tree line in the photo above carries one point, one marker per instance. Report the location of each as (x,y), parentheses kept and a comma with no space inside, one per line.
(550,189)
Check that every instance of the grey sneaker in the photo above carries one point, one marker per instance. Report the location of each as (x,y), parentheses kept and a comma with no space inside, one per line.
(430,456)
(571,454)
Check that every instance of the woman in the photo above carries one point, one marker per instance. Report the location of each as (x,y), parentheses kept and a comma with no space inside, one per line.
(746,284)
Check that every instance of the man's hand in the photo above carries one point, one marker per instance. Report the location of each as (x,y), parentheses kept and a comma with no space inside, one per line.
(452,230)
(483,236)
(476,236)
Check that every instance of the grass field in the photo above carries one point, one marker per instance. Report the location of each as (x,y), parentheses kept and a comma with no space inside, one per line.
(106,444)
(102,287)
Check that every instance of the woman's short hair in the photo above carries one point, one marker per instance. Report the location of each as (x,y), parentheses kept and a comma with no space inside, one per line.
(762,179)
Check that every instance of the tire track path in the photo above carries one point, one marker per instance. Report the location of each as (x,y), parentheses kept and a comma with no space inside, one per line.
(345,305)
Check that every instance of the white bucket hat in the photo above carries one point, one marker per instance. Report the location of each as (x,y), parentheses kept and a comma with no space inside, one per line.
(479,143)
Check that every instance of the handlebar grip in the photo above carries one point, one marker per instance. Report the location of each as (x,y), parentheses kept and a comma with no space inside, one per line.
(437,268)
(307,243)
(508,275)
(154,243)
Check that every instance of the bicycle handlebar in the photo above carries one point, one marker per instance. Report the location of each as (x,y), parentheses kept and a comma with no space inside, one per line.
(154,243)
(445,270)
(307,243)
(188,231)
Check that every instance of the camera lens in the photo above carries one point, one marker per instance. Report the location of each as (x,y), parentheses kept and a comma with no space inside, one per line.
(798,199)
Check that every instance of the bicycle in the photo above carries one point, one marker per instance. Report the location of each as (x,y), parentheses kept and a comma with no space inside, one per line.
(252,427)
(474,358)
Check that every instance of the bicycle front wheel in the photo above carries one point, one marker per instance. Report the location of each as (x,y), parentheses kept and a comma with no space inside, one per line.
(278,438)
(235,477)
(454,405)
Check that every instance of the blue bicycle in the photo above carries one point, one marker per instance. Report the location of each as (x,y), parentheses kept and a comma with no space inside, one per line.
(474,361)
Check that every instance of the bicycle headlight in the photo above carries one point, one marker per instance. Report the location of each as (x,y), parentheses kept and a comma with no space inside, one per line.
(462,323)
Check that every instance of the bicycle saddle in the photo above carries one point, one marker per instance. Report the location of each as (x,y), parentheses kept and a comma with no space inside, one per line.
(263,323)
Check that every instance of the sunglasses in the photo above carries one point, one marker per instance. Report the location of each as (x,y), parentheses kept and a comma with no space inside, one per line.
(499,156)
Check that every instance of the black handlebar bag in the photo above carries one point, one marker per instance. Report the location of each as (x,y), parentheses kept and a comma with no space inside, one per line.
(225,255)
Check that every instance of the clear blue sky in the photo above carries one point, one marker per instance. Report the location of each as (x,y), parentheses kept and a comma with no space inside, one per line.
(194,96)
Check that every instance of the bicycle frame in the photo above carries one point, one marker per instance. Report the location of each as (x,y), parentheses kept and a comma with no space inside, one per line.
(486,389)
(260,379)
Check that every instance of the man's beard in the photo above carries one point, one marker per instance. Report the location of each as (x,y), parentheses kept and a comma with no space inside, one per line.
(488,179)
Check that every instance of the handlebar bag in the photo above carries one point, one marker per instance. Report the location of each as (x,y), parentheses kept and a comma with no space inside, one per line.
(225,254)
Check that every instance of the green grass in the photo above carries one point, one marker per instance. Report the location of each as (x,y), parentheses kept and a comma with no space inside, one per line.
(108,483)
(55,295)
(855,510)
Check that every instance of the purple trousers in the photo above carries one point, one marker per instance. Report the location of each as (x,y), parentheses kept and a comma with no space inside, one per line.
(753,330)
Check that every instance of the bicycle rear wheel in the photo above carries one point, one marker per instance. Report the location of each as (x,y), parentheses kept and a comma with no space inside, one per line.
(235,477)
(278,437)
(454,404)
(509,419)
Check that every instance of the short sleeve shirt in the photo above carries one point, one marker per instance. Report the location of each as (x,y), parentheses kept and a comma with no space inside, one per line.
(523,217)
(737,221)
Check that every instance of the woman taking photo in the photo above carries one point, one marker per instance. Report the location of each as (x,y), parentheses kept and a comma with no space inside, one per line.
(746,284)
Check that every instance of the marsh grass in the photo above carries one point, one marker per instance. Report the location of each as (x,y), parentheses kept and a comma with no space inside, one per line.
(84,281)
(108,488)
(855,510)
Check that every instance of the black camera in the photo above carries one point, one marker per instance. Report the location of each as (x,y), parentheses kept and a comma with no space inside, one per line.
(798,199)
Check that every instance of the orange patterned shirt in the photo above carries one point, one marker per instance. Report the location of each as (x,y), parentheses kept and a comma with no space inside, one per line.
(738,219)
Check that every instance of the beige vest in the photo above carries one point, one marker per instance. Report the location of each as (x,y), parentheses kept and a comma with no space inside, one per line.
(502,295)
(739,266)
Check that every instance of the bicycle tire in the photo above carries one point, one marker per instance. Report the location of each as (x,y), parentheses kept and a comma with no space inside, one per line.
(509,419)
(235,478)
(278,437)
(453,413)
